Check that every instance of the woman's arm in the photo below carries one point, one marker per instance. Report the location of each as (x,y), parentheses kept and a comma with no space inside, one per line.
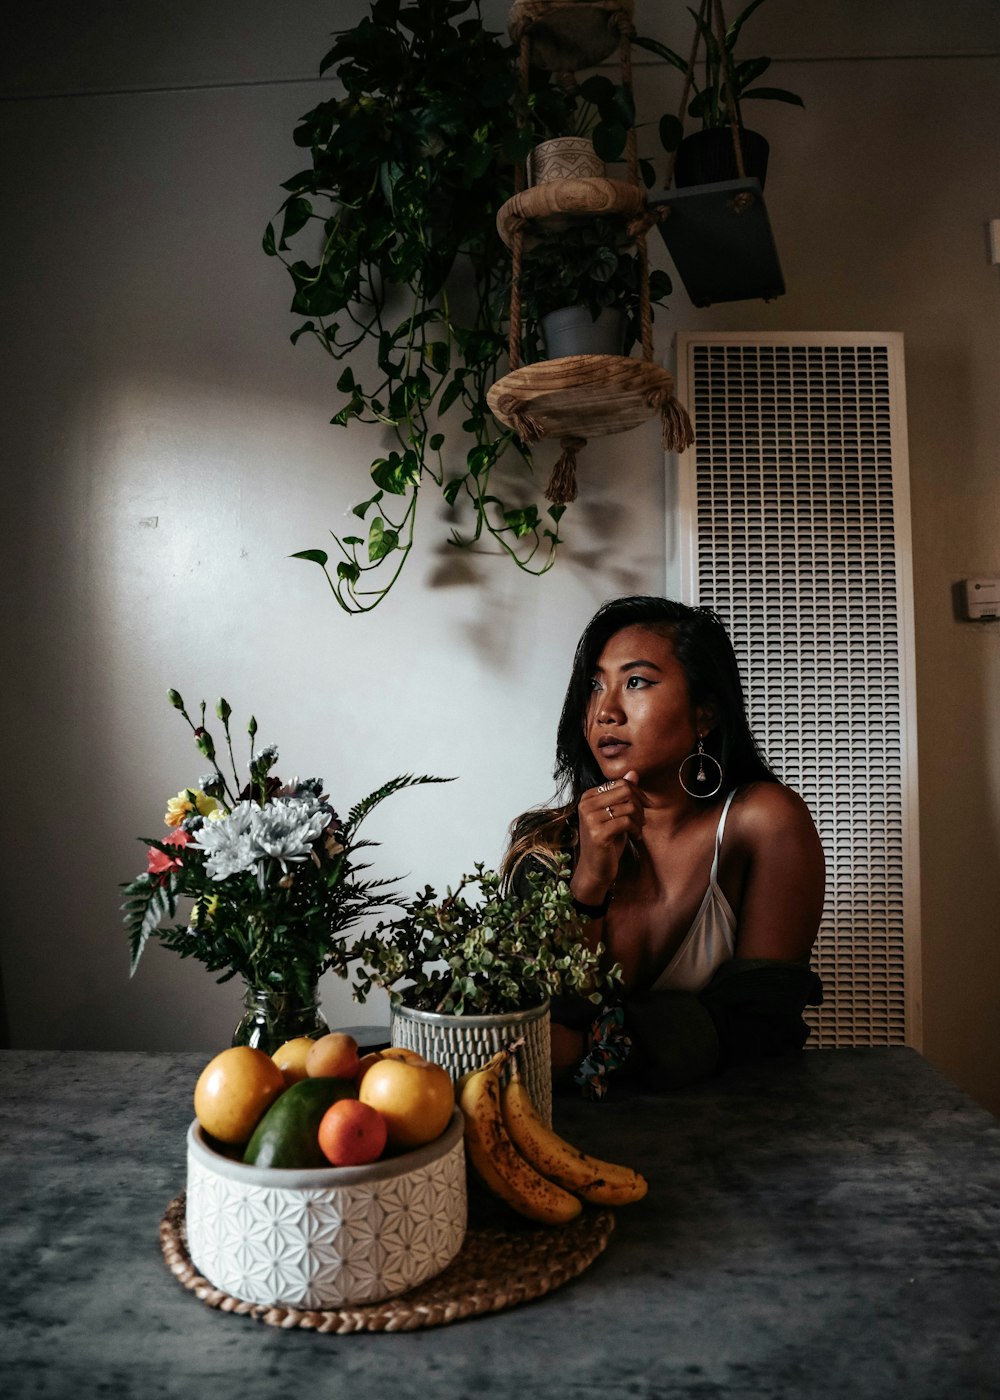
(772,835)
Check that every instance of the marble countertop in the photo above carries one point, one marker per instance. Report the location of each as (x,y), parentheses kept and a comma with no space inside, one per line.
(825,1225)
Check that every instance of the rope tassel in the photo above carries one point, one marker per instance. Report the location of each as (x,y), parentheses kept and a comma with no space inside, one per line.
(562,483)
(675,423)
(678,433)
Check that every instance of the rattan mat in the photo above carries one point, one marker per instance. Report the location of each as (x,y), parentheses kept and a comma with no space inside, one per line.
(495,1269)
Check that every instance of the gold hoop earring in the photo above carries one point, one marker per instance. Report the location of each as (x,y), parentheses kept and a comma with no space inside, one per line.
(701,777)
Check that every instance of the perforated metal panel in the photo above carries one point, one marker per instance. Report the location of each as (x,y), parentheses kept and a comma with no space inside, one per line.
(795,526)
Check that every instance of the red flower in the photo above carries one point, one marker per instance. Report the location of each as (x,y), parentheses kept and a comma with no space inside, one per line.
(159,862)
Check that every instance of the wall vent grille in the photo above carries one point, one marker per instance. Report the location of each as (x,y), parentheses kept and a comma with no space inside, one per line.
(795,527)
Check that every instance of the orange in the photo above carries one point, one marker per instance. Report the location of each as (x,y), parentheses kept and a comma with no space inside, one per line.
(291,1058)
(234,1091)
(351,1134)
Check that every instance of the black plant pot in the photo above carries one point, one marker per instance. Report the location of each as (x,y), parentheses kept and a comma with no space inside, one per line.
(706,157)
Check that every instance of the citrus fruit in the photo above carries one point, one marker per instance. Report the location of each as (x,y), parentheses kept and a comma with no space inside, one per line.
(352,1133)
(234,1090)
(291,1058)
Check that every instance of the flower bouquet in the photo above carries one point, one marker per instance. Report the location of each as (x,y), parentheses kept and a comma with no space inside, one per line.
(272,876)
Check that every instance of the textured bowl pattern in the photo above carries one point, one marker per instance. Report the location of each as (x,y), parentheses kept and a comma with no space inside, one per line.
(333,1237)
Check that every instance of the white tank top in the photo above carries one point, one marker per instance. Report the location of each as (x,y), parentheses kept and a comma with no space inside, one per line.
(711,938)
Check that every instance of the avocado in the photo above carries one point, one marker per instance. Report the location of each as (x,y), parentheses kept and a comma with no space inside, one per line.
(286,1135)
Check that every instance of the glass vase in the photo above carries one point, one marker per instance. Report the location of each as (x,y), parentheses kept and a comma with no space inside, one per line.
(271,1016)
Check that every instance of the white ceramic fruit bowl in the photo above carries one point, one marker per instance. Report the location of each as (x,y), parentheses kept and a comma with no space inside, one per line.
(326,1238)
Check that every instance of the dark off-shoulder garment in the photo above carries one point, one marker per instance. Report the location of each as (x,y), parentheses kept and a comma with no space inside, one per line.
(750,1010)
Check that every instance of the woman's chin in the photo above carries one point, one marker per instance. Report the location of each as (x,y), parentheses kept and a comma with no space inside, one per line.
(614,766)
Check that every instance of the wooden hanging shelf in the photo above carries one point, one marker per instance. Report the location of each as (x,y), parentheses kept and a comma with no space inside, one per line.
(558,203)
(569,34)
(580,396)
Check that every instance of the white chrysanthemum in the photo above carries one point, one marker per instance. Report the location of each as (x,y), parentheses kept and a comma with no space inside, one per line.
(250,836)
(227,843)
(287,829)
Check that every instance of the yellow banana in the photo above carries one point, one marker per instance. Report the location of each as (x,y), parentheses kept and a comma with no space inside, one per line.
(601,1183)
(498,1162)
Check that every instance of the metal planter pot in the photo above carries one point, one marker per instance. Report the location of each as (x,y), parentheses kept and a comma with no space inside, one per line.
(573,331)
(462,1043)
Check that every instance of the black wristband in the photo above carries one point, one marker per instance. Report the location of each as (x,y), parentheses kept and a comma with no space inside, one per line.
(593,911)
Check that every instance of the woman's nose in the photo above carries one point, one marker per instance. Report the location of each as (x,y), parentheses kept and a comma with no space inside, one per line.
(609,710)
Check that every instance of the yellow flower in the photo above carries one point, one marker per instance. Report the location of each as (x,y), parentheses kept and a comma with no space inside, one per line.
(190,800)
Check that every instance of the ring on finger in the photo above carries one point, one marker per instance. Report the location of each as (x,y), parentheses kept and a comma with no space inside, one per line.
(610,813)
(606,787)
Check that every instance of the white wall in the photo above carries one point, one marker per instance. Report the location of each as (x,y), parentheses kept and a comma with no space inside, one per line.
(148,377)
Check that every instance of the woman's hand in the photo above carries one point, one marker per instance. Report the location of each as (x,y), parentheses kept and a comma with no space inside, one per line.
(608,815)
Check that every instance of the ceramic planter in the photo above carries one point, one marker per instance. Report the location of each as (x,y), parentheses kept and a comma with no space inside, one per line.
(461,1043)
(327,1238)
(564,158)
(573,331)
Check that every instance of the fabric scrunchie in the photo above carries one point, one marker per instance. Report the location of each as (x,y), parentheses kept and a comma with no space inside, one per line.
(610,1045)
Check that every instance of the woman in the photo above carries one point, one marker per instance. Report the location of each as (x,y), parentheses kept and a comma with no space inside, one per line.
(698,870)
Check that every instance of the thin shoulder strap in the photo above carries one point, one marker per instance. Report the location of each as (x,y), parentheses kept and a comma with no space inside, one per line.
(718,836)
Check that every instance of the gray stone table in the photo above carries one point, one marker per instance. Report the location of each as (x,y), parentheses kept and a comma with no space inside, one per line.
(827,1225)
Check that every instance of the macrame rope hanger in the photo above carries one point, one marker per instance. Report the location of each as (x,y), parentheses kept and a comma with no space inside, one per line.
(718,20)
(676,425)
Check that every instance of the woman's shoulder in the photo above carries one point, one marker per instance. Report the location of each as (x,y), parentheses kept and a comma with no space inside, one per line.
(765,811)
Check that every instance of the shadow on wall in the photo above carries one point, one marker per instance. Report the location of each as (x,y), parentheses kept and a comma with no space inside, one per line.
(4,1024)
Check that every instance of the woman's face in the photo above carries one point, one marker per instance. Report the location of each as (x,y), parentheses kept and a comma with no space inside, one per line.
(640,714)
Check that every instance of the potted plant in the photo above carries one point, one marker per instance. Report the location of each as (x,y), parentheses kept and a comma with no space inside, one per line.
(708,155)
(580,291)
(464,976)
(389,237)
(578,126)
(273,878)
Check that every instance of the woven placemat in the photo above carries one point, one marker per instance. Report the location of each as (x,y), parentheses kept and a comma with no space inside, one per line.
(495,1269)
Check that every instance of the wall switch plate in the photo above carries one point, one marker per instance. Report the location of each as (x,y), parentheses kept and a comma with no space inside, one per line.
(982,599)
(993,229)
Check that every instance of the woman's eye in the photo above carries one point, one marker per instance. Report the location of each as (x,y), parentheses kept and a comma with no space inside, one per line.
(635,682)
(595,684)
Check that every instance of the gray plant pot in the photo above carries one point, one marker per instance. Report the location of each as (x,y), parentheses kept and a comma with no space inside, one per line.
(572,331)
(462,1043)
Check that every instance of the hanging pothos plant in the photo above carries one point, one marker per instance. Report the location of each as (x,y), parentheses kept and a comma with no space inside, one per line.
(396,220)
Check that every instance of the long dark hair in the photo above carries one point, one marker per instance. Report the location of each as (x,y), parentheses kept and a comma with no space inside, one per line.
(702,646)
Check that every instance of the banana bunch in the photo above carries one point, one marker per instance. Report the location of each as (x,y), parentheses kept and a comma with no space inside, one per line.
(524,1162)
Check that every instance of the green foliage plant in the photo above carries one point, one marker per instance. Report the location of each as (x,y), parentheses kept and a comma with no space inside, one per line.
(488,955)
(396,219)
(722,76)
(584,265)
(595,107)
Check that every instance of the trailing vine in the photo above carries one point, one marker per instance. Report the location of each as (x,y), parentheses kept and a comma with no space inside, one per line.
(408,169)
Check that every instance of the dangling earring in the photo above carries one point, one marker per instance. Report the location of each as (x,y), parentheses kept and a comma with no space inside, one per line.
(701,777)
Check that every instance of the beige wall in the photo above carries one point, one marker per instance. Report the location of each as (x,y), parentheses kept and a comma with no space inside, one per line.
(148,378)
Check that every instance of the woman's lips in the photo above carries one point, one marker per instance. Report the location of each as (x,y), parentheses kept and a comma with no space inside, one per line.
(611,748)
